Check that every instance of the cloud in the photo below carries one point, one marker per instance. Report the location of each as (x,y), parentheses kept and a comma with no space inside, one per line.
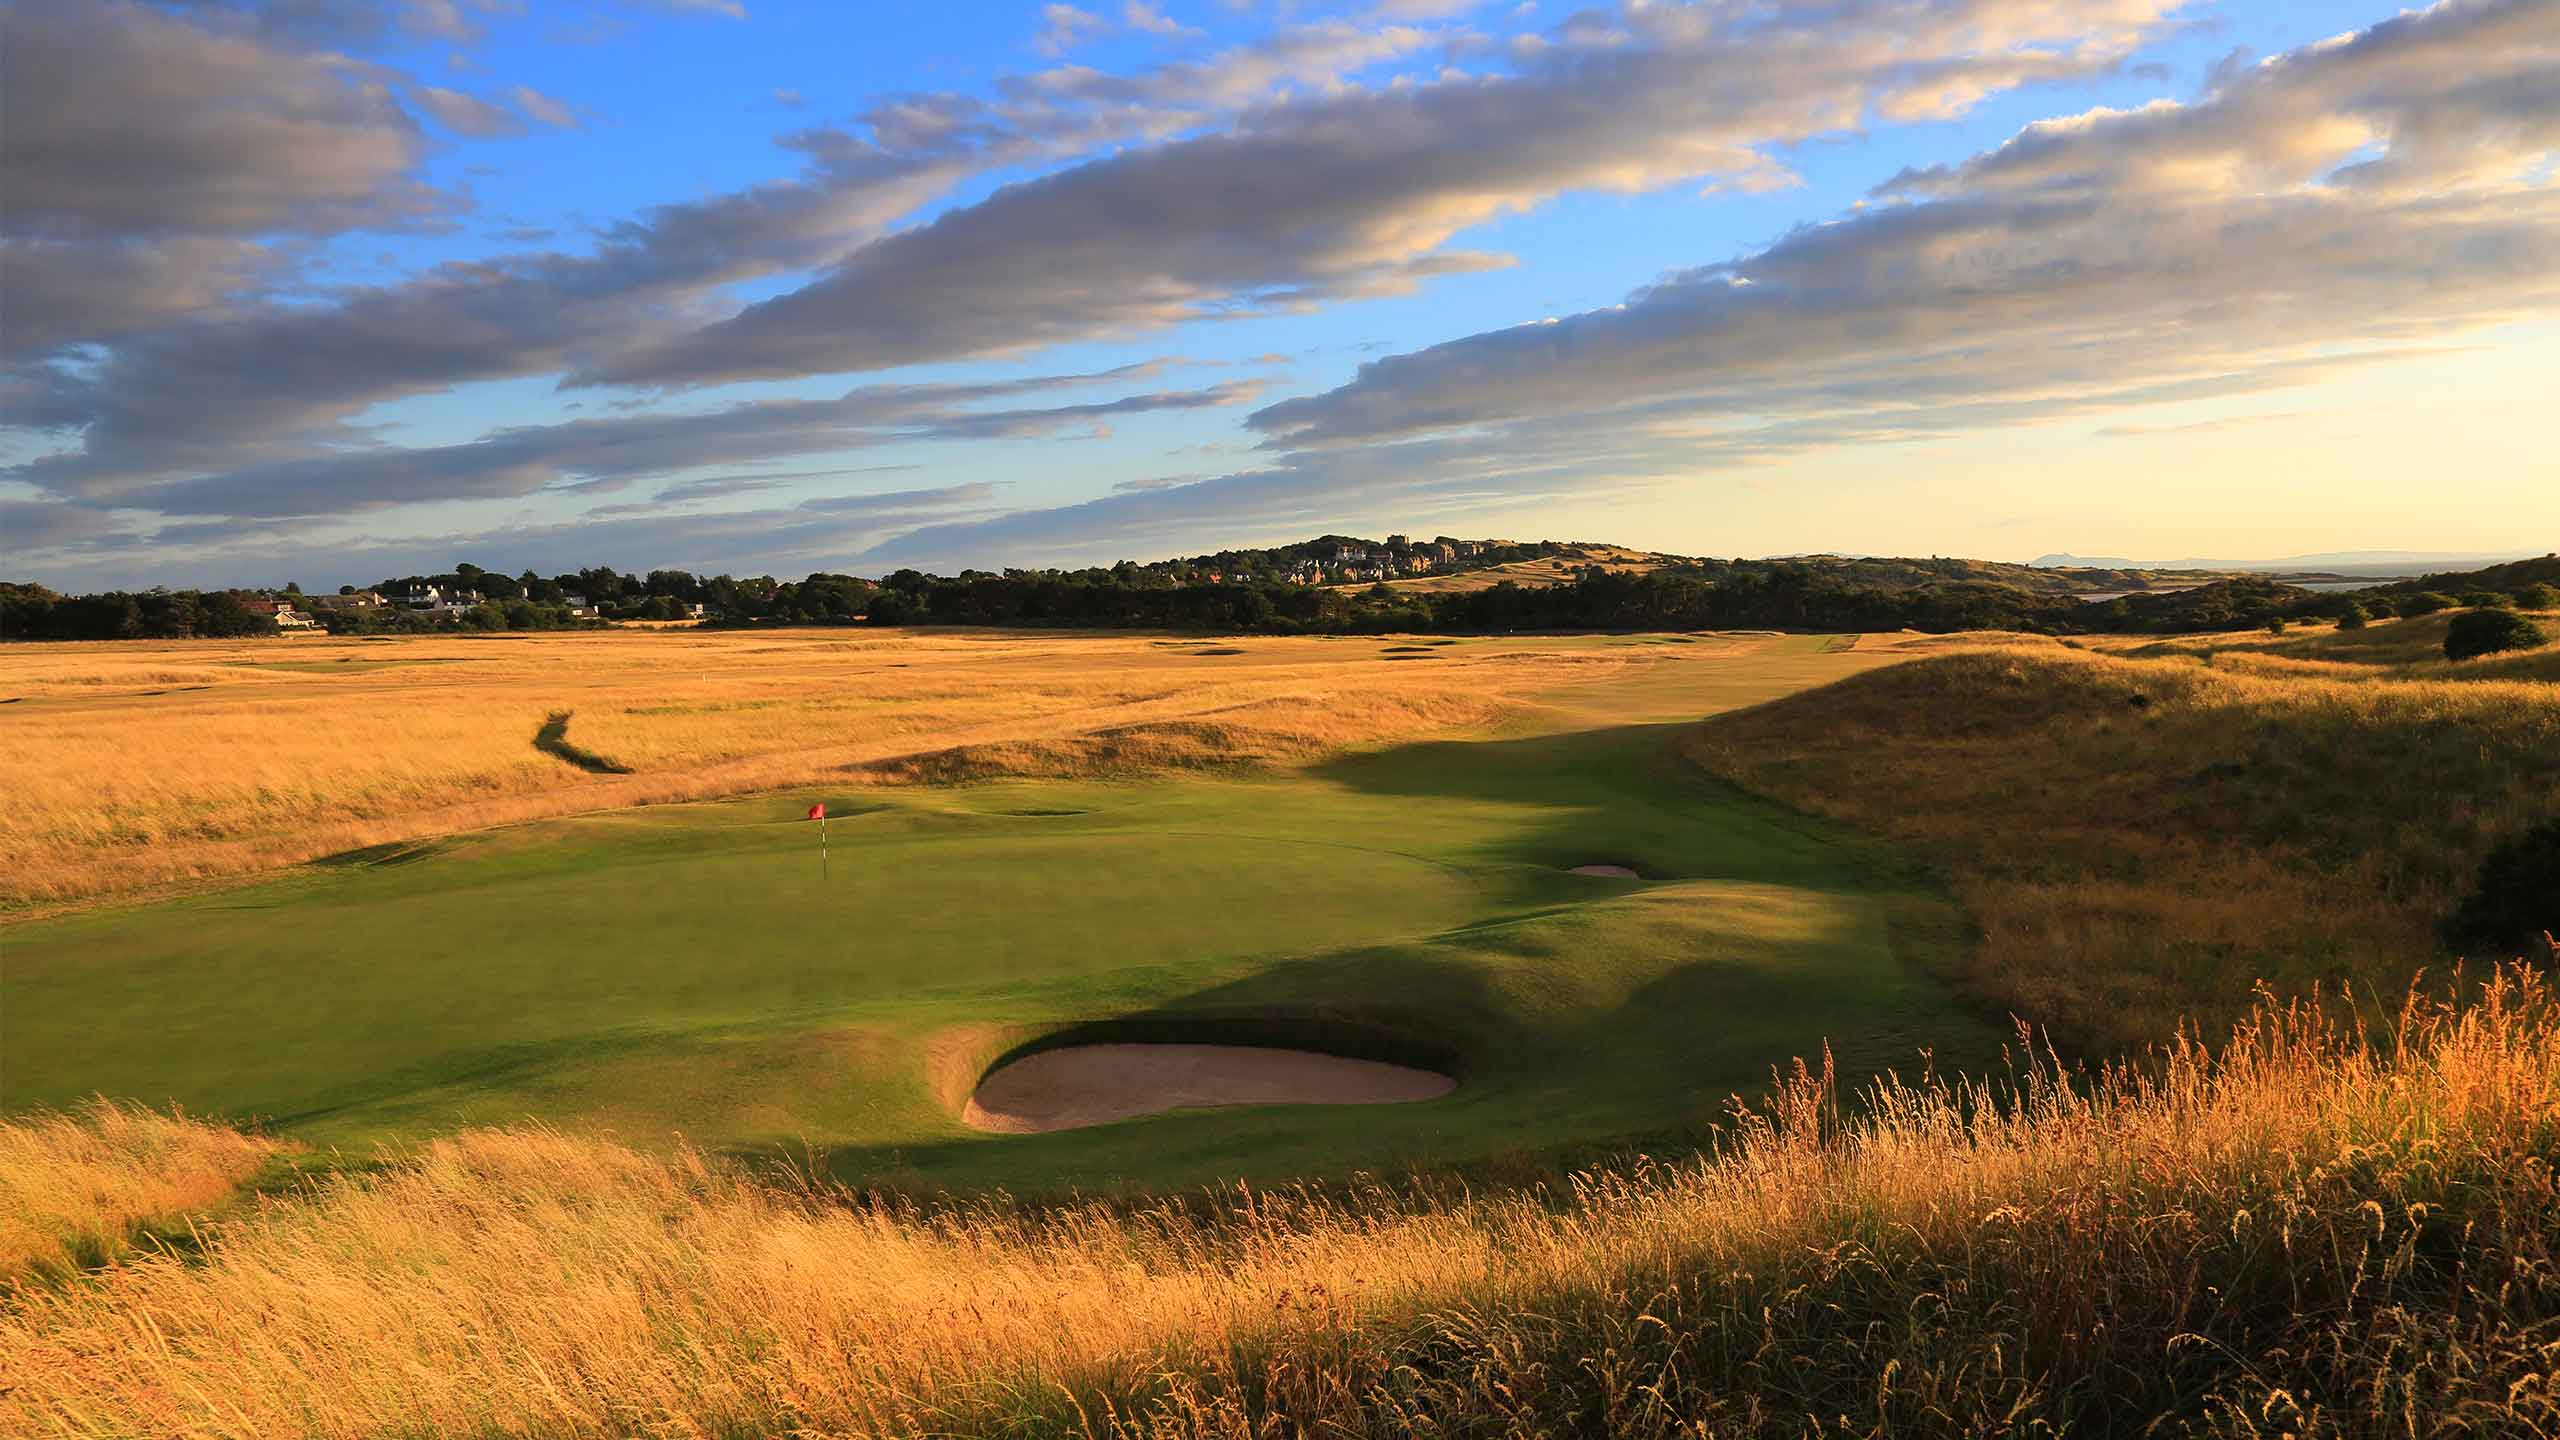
(466,114)
(2393,183)
(1357,193)
(726,487)
(611,452)
(124,120)
(543,108)
(785,540)
(1064,27)
(34,526)
(268,381)
(247,380)
(54,292)
(1151,19)
(2085,284)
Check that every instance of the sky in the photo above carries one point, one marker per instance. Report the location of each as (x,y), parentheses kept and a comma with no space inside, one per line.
(331,292)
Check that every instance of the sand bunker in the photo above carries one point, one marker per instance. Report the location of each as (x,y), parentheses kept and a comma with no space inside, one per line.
(1097,1084)
(1607,872)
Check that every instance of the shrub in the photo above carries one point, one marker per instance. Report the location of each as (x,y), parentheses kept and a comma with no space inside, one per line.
(2538,596)
(2425,602)
(2486,632)
(2487,600)
(2351,616)
(2517,897)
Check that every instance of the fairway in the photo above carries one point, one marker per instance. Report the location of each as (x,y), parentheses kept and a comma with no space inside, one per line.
(691,968)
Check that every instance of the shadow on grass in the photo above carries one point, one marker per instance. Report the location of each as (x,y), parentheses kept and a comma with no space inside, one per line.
(553,740)
(380,857)
(1538,1098)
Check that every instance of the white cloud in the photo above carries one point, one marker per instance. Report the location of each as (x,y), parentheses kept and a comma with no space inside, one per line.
(1064,27)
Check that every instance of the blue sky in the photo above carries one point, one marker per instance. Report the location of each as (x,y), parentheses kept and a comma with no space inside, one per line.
(343,291)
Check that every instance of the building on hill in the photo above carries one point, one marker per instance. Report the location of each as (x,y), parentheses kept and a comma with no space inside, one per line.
(280,611)
(351,600)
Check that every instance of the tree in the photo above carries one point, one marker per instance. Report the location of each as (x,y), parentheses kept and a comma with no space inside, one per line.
(2351,616)
(2474,633)
(2425,602)
(2487,600)
(2538,596)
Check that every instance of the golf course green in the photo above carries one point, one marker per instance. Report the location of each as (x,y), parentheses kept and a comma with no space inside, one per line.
(692,968)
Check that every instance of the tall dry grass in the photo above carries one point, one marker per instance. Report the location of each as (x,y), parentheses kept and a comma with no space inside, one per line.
(135,766)
(75,1188)
(2142,837)
(2300,1231)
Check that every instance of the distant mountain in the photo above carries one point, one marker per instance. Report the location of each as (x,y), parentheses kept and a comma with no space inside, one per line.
(2336,562)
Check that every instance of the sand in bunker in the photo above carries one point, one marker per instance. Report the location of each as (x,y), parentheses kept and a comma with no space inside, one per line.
(1096,1084)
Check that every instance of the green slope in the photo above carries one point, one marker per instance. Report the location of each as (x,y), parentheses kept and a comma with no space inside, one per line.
(690,967)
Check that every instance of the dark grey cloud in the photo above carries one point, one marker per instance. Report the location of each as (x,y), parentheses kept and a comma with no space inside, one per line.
(40,525)
(57,292)
(123,120)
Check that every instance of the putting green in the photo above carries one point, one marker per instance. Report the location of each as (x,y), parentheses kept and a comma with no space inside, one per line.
(690,968)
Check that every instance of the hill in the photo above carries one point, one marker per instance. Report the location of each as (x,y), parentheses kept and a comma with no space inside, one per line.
(2142,837)
(2506,578)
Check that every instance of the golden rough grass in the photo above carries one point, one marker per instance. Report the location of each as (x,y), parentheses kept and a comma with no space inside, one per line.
(2141,837)
(2301,1230)
(75,1187)
(137,766)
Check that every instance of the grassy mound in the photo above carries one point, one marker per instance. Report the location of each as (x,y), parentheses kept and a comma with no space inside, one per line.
(2142,839)
(2295,1232)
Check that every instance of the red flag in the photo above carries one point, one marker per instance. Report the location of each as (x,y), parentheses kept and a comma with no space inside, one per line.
(817,812)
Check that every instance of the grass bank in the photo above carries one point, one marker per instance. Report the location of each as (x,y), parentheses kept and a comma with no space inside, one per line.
(2142,838)
(2301,1230)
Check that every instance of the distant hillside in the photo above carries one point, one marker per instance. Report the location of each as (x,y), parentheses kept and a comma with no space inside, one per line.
(1563,566)
(1886,572)
(2511,576)
(1354,560)
(2346,564)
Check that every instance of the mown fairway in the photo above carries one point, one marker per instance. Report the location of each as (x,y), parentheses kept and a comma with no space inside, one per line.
(688,967)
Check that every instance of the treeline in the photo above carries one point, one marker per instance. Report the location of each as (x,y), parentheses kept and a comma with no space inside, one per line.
(1771,596)
(1818,594)
(32,612)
